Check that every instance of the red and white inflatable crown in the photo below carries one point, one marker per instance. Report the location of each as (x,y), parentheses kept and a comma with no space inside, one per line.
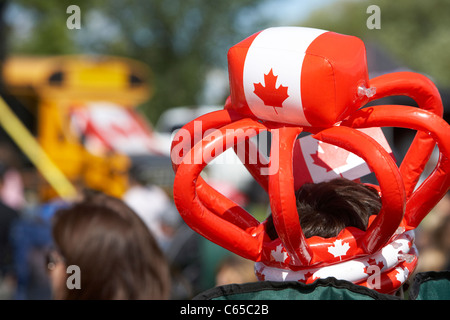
(288,80)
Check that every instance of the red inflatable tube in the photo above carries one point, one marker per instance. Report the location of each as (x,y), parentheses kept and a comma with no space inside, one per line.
(423,91)
(234,228)
(411,84)
(390,281)
(254,166)
(428,194)
(282,199)
(185,140)
(193,132)
(391,184)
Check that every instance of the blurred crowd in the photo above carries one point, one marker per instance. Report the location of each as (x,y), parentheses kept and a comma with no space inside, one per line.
(195,264)
(26,238)
(433,238)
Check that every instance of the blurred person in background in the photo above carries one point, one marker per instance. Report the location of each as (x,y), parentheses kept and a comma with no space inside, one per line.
(442,238)
(433,238)
(117,256)
(8,216)
(31,238)
(235,269)
(153,206)
(12,185)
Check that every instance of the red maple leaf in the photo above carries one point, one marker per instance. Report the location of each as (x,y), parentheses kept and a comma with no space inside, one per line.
(269,94)
(333,155)
(373,262)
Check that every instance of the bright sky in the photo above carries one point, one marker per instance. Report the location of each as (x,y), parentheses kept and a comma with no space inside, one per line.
(292,11)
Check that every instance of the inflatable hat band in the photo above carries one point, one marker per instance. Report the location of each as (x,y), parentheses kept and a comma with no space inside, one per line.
(290,80)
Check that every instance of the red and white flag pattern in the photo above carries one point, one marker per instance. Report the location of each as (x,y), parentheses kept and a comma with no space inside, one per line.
(316,161)
(107,126)
(283,66)
(297,75)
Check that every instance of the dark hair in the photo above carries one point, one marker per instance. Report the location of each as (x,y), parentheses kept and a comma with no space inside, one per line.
(117,255)
(326,208)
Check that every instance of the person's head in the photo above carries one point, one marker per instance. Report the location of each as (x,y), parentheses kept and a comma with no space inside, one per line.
(328,207)
(117,256)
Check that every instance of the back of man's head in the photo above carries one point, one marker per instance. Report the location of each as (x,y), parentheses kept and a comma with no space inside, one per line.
(328,207)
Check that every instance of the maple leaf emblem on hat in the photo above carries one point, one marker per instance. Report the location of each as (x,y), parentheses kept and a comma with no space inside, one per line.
(269,93)
(331,154)
(372,262)
(279,254)
(339,249)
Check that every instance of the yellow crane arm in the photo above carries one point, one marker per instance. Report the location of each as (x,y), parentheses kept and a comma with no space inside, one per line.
(29,145)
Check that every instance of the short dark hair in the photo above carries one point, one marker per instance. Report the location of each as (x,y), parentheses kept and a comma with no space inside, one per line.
(328,207)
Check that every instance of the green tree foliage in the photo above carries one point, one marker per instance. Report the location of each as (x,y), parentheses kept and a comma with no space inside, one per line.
(414,32)
(39,27)
(179,39)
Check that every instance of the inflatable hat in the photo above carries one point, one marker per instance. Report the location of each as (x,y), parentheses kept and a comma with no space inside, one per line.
(301,76)
(291,80)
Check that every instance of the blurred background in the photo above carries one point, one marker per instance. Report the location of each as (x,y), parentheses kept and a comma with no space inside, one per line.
(97,106)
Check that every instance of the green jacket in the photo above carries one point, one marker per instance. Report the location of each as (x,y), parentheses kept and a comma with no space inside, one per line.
(424,286)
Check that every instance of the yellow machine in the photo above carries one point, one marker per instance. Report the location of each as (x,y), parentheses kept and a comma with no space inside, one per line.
(53,89)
